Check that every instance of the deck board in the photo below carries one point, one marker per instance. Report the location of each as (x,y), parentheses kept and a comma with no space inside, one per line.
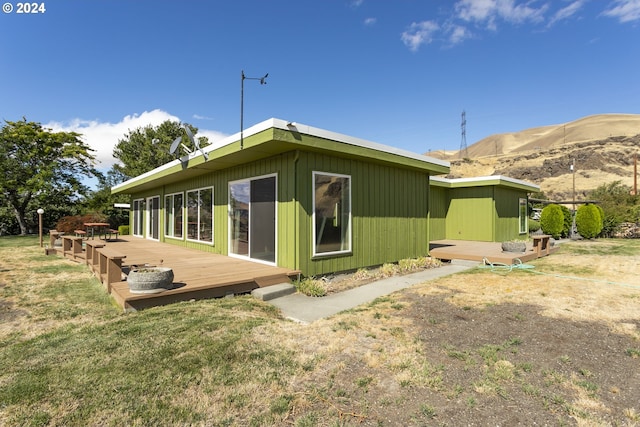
(197,274)
(478,251)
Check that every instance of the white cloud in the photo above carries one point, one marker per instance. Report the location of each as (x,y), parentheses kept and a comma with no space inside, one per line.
(567,12)
(487,12)
(103,136)
(419,33)
(458,34)
(199,117)
(370,21)
(624,10)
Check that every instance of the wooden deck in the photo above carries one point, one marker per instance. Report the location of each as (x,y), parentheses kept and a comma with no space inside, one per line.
(197,274)
(478,251)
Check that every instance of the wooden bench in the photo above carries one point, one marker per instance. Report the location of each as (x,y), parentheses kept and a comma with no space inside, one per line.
(110,233)
(91,255)
(109,266)
(80,233)
(72,247)
(541,245)
(54,244)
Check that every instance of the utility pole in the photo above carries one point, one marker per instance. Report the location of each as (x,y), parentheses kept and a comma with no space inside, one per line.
(573,170)
(572,234)
(635,174)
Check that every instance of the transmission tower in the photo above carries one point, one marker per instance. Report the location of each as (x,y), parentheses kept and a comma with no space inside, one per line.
(464,152)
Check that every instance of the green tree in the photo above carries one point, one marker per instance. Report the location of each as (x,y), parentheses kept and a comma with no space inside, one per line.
(552,220)
(618,203)
(41,167)
(588,221)
(146,148)
(101,201)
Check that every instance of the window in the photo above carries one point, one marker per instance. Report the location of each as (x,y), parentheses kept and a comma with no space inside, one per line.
(200,215)
(522,217)
(173,220)
(331,213)
(138,210)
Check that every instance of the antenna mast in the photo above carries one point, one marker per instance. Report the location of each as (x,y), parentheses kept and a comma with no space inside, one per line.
(464,152)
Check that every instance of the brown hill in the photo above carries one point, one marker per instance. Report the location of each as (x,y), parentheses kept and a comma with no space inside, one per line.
(602,146)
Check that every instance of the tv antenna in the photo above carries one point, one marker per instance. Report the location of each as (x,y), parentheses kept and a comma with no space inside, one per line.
(196,144)
(263,81)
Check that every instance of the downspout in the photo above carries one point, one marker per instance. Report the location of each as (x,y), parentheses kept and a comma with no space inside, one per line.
(296,209)
(428,214)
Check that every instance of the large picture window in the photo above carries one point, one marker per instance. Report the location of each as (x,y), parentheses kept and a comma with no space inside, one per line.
(173,220)
(524,226)
(138,210)
(200,215)
(331,213)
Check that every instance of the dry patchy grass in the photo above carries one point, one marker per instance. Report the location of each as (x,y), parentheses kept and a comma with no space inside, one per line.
(555,347)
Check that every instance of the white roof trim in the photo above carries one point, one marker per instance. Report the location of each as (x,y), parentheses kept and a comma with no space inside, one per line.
(289,126)
(480,179)
(346,139)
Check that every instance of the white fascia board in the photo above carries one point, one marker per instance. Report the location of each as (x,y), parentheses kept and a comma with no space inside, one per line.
(289,126)
(485,180)
(346,139)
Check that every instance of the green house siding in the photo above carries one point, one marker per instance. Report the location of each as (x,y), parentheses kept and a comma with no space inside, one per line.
(394,209)
(389,210)
(480,212)
(386,224)
(507,214)
(470,215)
(438,208)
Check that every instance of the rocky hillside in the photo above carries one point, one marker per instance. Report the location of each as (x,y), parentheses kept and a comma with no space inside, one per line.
(603,148)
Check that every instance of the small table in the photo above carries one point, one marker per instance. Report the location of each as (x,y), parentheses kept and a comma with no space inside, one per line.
(541,245)
(100,227)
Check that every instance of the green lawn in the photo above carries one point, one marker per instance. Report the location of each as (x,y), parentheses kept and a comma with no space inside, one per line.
(82,362)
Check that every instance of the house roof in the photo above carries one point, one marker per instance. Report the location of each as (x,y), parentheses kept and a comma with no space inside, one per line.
(272,137)
(495,180)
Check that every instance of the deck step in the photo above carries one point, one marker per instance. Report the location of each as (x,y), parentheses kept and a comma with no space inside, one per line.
(274,291)
(274,279)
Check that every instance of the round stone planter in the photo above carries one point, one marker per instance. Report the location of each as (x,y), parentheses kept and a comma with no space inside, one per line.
(149,280)
(518,247)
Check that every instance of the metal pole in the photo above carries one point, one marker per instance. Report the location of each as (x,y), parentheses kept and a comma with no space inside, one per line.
(241,108)
(242,79)
(635,174)
(40,212)
(573,168)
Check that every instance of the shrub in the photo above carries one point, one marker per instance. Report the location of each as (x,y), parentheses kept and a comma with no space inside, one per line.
(602,216)
(123,230)
(68,224)
(568,221)
(552,220)
(311,286)
(588,221)
(610,226)
(533,225)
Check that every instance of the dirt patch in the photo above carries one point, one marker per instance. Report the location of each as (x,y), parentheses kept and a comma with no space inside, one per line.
(557,347)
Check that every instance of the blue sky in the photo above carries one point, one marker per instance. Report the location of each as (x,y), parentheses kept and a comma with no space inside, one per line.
(395,72)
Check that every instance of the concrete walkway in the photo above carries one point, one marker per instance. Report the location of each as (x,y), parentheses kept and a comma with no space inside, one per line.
(305,309)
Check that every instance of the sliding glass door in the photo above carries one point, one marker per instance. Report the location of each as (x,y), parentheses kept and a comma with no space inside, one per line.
(252,218)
